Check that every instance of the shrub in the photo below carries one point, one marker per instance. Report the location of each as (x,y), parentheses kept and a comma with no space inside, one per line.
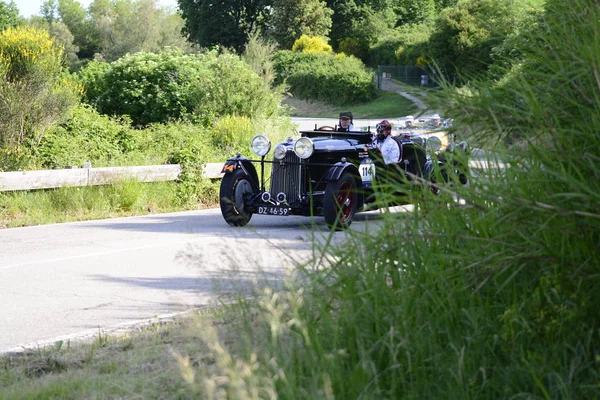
(87,136)
(312,44)
(465,34)
(35,91)
(335,79)
(171,85)
(229,130)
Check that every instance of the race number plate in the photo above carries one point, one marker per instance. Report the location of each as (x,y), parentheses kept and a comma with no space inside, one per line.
(268,210)
(366,170)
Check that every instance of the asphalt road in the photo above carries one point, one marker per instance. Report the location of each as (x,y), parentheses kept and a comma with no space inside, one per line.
(73,280)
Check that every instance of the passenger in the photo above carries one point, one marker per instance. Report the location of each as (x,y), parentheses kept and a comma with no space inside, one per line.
(410,122)
(436,121)
(346,122)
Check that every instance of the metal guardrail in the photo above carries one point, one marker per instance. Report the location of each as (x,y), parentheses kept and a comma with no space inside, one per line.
(76,177)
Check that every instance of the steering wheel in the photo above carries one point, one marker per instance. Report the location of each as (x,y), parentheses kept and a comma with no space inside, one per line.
(326,128)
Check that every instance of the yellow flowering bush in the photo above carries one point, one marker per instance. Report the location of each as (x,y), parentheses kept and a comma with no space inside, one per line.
(311,44)
(35,89)
(25,49)
(421,62)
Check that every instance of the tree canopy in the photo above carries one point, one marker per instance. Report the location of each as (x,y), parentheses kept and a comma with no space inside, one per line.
(294,18)
(224,22)
(9,15)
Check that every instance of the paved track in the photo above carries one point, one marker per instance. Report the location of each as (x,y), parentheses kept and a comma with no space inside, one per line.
(67,280)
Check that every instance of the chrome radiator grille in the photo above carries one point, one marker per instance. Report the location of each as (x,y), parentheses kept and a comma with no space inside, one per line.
(286,177)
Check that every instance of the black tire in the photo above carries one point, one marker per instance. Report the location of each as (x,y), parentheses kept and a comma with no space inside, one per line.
(464,179)
(340,202)
(234,187)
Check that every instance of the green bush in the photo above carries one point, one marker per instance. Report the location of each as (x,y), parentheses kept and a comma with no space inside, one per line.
(152,88)
(335,79)
(403,46)
(87,136)
(466,34)
(229,130)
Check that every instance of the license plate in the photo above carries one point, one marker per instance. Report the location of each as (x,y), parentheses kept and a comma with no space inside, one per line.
(267,210)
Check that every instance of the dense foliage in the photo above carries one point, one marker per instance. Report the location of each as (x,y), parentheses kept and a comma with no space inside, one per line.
(9,15)
(465,35)
(171,85)
(336,79)
(293,19)
(464,38)
(226,23)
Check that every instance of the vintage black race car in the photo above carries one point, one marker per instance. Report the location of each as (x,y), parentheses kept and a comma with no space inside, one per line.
(324,172)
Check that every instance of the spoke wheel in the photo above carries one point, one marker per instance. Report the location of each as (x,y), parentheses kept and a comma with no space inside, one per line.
(340,202)
(235,188)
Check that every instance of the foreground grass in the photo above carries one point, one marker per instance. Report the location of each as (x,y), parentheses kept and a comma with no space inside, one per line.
(387,105)
(26,208)
(152,362)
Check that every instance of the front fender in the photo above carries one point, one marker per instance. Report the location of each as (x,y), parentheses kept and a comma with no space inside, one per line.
(335,172)
(243,163)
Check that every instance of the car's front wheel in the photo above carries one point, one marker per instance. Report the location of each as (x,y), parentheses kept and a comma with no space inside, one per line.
(340,202)
(235,187)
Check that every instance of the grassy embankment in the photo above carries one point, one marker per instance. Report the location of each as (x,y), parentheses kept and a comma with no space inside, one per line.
(387,105)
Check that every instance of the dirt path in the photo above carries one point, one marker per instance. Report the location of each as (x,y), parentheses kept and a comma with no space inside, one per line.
(391,86)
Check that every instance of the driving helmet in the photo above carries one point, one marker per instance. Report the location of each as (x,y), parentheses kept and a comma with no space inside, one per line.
(384,129)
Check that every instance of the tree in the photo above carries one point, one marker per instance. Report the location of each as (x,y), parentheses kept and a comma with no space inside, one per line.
(465,35)
(223,22)
(127,27)
(76,19)
(294,18)
(414,11)
(9,15)
(258,55)
(357,24)
(62,38)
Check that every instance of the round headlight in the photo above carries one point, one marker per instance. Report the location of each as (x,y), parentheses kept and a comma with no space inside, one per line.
(304,148)
(434,143)
(260,145)
(280,151)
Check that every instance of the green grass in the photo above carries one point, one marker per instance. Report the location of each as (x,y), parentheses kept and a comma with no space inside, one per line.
(149,364)
(127,198)
(387,105)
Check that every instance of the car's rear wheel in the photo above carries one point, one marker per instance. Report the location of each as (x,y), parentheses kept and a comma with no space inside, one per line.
(340,202)
(235,187)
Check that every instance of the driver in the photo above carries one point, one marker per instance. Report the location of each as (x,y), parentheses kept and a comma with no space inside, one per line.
(346,122)
(410,121)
